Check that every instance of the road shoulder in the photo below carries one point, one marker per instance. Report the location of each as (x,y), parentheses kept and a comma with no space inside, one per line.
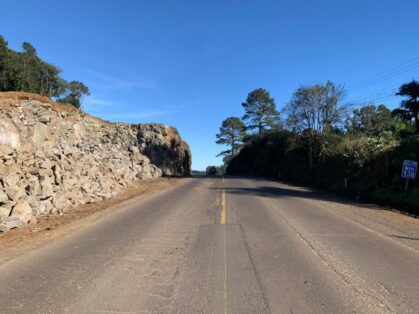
(47,228)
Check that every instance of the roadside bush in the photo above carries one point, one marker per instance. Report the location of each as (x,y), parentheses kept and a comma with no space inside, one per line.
(364,167)
(407,202)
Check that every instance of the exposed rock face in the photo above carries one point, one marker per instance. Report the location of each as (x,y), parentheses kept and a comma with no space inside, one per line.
(165,148)
(54,157)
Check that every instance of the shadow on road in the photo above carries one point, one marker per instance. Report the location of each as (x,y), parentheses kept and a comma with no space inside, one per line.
(203,176)
(287,191)
(403,237)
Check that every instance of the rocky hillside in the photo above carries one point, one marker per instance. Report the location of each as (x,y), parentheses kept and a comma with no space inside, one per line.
(54,157)
(165,148)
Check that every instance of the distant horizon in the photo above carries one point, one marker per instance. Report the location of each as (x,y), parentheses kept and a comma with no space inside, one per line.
(192,65)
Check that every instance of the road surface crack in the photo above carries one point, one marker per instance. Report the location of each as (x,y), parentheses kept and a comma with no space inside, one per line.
(344,278)
(253,265)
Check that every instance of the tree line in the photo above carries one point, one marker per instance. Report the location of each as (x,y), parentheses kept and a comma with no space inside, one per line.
(25,71)
(323,141)
(260,115)
(318,110)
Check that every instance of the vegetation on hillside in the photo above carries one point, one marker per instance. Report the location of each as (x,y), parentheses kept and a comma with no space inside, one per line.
(25,71)
(321,142)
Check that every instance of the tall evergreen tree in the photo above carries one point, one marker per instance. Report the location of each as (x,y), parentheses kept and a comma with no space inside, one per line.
(260,111)
(232,131)
(30,66)
(4,56)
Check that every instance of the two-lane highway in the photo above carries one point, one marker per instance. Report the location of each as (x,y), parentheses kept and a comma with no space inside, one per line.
(225,245)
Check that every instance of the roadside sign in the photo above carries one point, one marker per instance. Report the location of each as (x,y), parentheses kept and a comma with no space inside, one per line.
(409,169)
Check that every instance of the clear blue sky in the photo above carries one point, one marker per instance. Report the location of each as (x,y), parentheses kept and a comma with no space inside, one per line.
(190,64)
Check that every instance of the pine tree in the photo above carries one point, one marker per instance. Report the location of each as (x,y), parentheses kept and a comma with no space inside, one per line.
(232,131)
(260,111)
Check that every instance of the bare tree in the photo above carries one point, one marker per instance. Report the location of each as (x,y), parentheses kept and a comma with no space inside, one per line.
(316,110)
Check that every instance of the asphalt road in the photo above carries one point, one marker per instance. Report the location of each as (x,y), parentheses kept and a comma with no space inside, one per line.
(233,245)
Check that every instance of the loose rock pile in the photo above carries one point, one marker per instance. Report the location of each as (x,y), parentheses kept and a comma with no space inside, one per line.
(54,157)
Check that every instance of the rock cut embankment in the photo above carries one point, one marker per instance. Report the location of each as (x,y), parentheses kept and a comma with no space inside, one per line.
(54,157)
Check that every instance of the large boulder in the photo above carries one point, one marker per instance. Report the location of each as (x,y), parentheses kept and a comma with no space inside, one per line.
(22,211)
(9,135)
(165,148)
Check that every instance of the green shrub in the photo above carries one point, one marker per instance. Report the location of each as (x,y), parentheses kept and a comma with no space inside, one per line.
(371,166)
(408,202)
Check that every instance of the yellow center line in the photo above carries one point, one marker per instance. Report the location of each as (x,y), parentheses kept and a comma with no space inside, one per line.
(223,208)
(223,221)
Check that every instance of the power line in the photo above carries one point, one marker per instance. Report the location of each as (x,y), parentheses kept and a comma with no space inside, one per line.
(379,77)
(385,75)
(414,60)
(374,97)
(379,93)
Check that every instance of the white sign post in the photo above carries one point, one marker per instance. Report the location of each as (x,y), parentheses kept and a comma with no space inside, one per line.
(409,171)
